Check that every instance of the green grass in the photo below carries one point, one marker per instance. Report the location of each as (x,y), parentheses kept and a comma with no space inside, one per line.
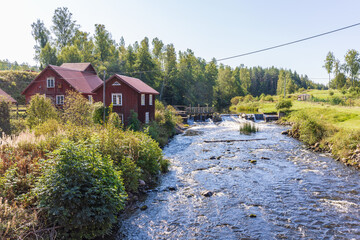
(248,128)
(340,116)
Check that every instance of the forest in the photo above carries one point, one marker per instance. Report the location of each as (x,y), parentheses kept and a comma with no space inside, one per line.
(181,77)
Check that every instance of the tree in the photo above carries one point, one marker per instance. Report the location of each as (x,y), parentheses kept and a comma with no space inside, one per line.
(69,54)
(146,65)
(85,45)
(329,64)
(47,56)
(64,27)
(77,109)
(158,47)
(170,74)
(41,35)
(352,64)
(103,43)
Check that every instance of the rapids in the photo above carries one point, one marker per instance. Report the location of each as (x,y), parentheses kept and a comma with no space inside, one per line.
(289,192)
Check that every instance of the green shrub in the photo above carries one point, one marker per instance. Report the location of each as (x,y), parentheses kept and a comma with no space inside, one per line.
(77,109)
(5,126)
(311,131)
(149,154)
(336,101)
(98,113)
(49,127)
(130,174)
(133,121)
(248,128)
(269,98)
(283,105)
(81,191)
(39,110)
(164,165)
(115,120)
(331,93)
(17,126)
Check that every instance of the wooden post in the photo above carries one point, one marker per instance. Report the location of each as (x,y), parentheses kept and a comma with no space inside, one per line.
(104,100)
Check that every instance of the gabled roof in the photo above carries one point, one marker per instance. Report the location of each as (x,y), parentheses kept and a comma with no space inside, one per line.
(82,81)
(135,83)
(3,94)
(82,67)
(81,76)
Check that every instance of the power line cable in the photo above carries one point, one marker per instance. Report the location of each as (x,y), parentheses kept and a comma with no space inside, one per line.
(289,43)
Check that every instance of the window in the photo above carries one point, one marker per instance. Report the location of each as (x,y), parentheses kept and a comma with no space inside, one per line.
(150,99)
(142,99)
(147,118)
(116,99)
(50,82)
(90,99)
(59,99)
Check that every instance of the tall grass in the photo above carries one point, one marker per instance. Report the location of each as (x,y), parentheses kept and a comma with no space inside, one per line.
(248,128)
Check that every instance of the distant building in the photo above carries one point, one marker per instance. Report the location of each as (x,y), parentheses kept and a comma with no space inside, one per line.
(125,93)
(304,97)
(7,97)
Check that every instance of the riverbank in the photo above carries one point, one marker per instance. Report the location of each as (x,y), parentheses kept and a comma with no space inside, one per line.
(327,130)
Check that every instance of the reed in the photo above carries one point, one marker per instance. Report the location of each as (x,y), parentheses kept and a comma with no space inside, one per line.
(248,128)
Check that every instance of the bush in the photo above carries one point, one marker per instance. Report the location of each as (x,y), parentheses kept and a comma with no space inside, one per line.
(98,113)
(39,110)
(5,126)
(17,126)
(331,93)
(283,105)
(50,127)
(134,122)
(336,101)
(130,174)
(311,131)
(248,128)
(81,191)
(115,120)
(77,109)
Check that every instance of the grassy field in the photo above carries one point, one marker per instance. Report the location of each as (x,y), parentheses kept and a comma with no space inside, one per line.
(340,116)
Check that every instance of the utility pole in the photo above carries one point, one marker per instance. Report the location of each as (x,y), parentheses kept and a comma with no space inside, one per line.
(284,85)
(104,99)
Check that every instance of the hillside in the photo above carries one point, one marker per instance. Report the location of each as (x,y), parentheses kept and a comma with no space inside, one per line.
(14,82)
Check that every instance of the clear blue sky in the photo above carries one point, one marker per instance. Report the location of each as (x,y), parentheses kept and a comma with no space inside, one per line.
(210,28)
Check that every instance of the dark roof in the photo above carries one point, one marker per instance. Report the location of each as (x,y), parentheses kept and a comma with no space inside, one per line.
(135,83)
(84,82)
(3,94)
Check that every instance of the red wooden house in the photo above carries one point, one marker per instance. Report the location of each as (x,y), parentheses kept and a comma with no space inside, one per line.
(125,93)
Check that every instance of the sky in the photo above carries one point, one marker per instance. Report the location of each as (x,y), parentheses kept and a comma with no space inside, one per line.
(212,29)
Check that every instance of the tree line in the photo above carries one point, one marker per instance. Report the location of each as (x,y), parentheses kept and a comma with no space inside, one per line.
(181,77)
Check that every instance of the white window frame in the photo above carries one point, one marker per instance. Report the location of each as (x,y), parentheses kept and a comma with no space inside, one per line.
(60,99)
(118,99)
(91,100)
(50,82)
(147,117)
(150,99)
(142,99)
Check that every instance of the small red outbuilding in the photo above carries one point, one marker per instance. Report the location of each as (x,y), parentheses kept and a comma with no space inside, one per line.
(125,93)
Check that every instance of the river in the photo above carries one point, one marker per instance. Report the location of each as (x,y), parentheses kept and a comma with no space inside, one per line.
(289,192)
